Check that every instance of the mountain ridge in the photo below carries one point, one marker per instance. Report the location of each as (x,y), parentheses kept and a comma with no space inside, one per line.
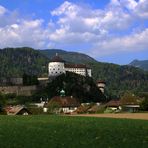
(69,56)
(143,64)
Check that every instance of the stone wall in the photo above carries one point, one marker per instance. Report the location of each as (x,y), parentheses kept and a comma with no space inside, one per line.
(11,81)
(19,90)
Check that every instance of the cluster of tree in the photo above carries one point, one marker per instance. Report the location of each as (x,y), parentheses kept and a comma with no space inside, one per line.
(17,61)
(75,85)
(144,103)
(5,101)
(130,98)
(13,99)
(30,79)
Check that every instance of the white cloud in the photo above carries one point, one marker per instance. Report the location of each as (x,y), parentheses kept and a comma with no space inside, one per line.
(101,28)
(25,33)
(130,4)
(2,10)
(66,8)
(138,8)
(17,32)
(105,31)
(79,19)
(8,17)
(142,9)
(116,20)
(133,42)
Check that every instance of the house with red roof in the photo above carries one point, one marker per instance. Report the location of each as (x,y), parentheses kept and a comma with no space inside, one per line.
(64,104)
(17,110)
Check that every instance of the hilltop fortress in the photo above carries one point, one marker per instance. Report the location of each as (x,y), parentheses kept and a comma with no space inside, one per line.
(58,66)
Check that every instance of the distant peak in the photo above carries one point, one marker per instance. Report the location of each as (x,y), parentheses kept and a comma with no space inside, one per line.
(136,60)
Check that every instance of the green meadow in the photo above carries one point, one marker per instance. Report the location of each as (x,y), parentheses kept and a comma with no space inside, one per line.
(72,132)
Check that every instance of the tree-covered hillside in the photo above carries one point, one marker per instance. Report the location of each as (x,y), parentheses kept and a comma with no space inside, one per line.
(120,78)
(14,62)
(73,57)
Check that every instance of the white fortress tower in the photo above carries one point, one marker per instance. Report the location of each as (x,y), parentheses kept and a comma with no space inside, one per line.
(101,84)
(56,66)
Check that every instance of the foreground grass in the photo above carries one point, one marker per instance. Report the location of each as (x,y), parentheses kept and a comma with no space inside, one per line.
(71,132)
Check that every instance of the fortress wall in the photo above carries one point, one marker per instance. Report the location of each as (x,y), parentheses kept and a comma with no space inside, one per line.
(19,90)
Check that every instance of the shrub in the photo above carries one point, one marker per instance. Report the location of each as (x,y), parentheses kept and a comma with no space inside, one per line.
(36,111)
(2,111)
(100,109)
(144,105)
(53,108)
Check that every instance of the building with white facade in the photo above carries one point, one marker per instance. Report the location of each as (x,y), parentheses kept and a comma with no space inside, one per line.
(101,85)
(78,69)
(58,66)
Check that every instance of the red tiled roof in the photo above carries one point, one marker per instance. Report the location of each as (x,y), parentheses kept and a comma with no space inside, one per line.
(66,101)
(57,59)
(101,81)
(113,103)
(75,66)
(13,110)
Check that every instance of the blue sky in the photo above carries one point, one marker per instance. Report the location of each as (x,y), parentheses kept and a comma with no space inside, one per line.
(113,31)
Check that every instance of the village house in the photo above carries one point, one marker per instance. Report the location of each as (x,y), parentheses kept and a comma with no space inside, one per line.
(131,108)
(130,103)
(125,106)
(64,104)
(17,110)
(114,105)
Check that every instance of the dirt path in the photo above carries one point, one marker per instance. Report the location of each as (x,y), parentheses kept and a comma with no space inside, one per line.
(143,116)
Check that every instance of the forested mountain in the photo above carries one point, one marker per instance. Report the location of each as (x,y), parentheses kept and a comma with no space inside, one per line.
(140,64)
(14,62)
(120,78)
(73,57)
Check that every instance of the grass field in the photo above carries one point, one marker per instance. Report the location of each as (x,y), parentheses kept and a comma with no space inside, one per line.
(72,132)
